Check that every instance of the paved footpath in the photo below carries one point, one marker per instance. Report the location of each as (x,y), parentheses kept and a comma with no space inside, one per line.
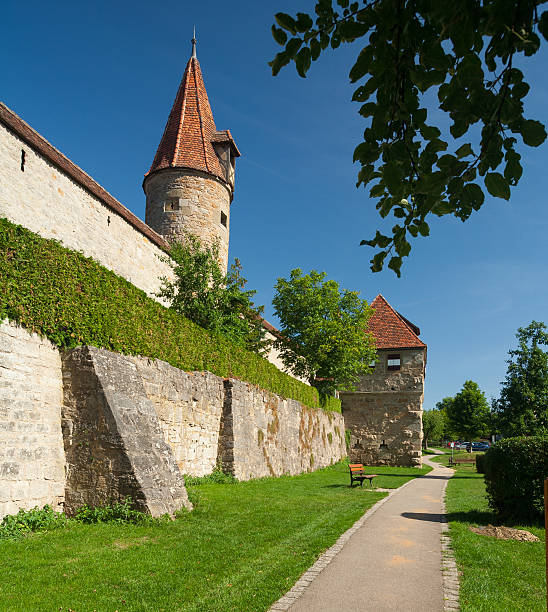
(392,562)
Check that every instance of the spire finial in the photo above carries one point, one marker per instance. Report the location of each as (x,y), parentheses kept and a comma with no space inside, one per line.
(194,41)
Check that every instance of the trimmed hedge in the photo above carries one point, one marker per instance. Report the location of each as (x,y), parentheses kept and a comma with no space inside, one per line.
(72,300)
(515,469)
(480,463)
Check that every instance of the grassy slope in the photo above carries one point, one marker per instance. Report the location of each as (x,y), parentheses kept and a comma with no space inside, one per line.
(242,547)
(497,575)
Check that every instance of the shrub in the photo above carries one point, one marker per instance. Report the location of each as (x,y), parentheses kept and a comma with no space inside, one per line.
(216,477)
(120,512)
(515,469)
(72,300)
(480,463)
(27,521)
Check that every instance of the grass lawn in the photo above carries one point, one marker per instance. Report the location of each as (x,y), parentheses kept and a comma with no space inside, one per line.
(497,575)
(242,547)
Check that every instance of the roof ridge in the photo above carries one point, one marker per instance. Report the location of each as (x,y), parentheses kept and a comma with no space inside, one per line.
(390,328)
(181,117)
(199,108)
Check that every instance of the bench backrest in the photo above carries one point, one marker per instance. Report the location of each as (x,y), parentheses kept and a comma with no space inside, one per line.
(356,468)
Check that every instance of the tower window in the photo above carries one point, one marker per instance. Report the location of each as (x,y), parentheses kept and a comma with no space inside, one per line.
(23,155)
(223,218)
(171,204)
(394,362)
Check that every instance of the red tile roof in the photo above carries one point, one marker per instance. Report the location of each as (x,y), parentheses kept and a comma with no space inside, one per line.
(392,330)
(190,130)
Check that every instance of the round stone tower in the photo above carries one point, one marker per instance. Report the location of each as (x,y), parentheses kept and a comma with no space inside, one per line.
(190,185)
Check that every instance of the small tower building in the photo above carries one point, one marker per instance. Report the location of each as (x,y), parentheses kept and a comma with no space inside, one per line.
(384,414)
(190,185)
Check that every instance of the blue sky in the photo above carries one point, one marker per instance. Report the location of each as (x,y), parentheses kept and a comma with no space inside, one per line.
(98,80)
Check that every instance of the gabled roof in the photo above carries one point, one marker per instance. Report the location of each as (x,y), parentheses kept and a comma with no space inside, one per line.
(392,330)
(190,130)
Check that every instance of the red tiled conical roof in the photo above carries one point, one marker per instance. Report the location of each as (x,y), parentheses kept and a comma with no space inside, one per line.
(190,130)
(391,329)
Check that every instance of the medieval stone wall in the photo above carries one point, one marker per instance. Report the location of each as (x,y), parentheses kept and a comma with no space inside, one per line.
(32,465)
(47,201)
(91,426)
(385,414)
(189,407)
(263,434)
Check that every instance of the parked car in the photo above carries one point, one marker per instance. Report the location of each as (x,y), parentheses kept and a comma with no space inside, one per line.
(480,446)
(462,445)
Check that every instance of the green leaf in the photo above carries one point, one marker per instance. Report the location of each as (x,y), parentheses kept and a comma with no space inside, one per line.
(393,176)
(286,22)
(424,229)
(304,22)
(315,49)
(377,190)
(279,35)
(293,46)
(497,185)
(361,67)
(378,261)
(543,25)
(464,151)
(533,132)
(429,132)
(350,30)
(395,264)
(302,61)
(281,60)
(473,195)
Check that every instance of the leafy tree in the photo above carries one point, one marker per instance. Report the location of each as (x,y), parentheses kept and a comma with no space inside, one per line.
(433,425)
(324,331)
(468,414)
(444,406)
(215,301)
(522,408)
(465,52)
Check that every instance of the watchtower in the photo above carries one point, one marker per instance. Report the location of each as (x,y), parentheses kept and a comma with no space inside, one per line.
(190,185)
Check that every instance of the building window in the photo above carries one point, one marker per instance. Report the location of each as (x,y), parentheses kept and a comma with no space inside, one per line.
(394,362)
(223,218)
(171,204)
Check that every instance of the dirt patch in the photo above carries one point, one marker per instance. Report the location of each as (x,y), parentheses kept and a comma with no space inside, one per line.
(505,533)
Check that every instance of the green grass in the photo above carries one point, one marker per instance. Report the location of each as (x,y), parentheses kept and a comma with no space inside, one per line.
(497,575)
(243,546)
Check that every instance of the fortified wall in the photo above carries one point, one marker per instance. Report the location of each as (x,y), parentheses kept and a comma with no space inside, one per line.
(91,426)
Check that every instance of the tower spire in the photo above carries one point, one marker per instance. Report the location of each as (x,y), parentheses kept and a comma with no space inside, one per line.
(194,41)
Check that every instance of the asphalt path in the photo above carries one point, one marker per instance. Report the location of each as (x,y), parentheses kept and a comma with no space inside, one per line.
(393,561)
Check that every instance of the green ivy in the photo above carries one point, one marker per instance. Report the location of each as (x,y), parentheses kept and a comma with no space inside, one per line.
(72,300)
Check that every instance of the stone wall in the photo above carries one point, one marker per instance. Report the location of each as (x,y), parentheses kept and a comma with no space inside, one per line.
(48,201)
(263,434)
(199,198)
(32,466)
(385,414)
(114,445)
(88,426)
(189,407)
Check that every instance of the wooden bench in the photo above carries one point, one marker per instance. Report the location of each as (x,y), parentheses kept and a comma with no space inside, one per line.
(357,473)
(459,461)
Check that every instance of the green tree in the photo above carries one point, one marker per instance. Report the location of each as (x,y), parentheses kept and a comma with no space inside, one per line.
(522,408)
(433,425)
(217,302)
(468,414)
(324,331)
(444,406)
(465,52)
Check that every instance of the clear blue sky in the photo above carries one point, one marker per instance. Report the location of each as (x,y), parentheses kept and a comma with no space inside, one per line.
(97,79)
